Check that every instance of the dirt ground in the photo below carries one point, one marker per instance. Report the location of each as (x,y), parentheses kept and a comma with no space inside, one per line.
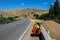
(52,28)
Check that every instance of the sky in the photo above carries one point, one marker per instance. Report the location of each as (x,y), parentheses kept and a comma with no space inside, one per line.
(23,4)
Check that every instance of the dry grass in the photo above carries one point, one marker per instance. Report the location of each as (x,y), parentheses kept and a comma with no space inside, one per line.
(54,29)
(22,13)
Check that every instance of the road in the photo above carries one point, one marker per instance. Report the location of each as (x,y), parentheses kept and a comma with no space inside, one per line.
(14,30)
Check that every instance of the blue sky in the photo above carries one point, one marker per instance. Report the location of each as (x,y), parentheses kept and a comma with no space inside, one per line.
(23,4)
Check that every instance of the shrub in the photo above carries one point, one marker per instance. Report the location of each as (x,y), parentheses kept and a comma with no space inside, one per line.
(11,18)
(16,16)
(4,20)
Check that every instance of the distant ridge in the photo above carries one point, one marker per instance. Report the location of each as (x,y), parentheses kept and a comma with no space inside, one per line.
(23,12)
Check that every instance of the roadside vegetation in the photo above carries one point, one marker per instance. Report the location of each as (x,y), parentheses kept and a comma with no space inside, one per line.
(54,13)
(4,20)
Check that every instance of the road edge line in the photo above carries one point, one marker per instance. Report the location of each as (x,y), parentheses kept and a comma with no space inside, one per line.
(24,32)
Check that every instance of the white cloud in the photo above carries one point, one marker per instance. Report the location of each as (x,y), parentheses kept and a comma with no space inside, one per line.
(22,4)
(45,3)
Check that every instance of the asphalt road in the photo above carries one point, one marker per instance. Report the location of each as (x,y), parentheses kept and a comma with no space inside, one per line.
(14,30)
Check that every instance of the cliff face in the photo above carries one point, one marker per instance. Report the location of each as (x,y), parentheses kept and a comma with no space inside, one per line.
(22,13)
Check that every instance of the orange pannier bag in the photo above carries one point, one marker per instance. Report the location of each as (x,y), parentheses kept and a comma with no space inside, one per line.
(39,31)
(34,30)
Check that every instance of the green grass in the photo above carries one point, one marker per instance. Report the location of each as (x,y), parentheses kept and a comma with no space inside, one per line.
(8,20)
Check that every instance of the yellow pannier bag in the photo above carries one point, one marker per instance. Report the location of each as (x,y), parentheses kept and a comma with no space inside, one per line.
(37,26)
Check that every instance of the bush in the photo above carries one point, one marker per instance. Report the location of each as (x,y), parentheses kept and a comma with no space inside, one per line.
(7,20)
(4,20)
(11,18)
(16,16)
(45,17)
(37,16)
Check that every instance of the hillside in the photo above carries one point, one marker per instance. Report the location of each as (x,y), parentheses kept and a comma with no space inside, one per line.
(22,13)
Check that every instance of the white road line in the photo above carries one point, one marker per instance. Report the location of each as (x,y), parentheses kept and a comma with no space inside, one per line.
(24,32)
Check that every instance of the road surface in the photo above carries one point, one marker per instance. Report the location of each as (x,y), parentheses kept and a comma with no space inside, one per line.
(13,31)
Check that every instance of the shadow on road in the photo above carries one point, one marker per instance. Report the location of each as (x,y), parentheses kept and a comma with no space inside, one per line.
(41,37)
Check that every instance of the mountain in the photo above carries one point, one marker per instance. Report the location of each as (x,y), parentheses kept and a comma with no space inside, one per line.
(22,13)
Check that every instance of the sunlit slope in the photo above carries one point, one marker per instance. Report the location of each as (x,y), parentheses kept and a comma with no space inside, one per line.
(23,13)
